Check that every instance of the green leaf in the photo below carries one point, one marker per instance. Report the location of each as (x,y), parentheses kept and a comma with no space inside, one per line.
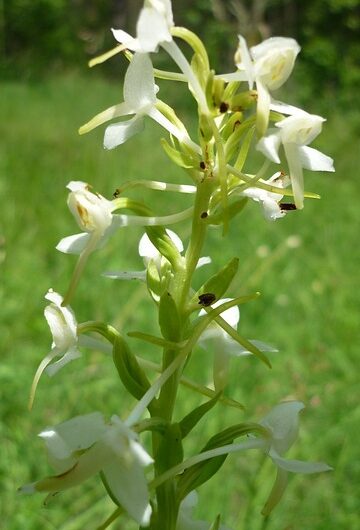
(218,284)
(129,370)
(191,419)
(169,319)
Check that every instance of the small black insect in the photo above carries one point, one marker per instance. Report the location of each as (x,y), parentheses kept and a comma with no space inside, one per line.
(202,165)
(286,206)
(116,193)
(204,215)
(206,299)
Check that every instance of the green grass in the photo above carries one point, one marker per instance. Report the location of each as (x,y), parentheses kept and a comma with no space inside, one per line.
(309,308)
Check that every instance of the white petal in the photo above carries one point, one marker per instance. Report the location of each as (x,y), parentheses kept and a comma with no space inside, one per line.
(239,350)
(126,39)
(152,29)
(272,209)
(296,173)
(73,244)
(315,160)
(126,275)
(299,466)
(139,84)
(118,133)
(128,484)
(284,108)
(76,434)
(69,356)
(246,61)
(263,108)
(269,145)
(140,454)
(283,422)
(204,260)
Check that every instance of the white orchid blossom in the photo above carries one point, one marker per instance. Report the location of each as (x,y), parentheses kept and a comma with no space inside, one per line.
(269,201)
(223,345)
(269,65)
(148,252)
(139,100)
(295,133)
(283,425)
(63,327)
(185,518)
(153,28)
(86,445)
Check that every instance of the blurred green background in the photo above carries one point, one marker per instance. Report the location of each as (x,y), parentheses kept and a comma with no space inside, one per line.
(309,306)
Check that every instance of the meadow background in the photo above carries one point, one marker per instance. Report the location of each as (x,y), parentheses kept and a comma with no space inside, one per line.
(309,306)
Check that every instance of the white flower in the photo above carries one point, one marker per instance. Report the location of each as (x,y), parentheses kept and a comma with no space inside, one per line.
(153,28)
(185,518)
(269,65)
(269,200)
(86,445)
(224,346)
(283,425)
(63,327)
(139,100)
(295,133)
(92,212)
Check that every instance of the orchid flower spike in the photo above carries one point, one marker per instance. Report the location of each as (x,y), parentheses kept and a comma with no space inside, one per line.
(295,133)
(224,346)
(283,425)
(139,100)
(185,518)
(87,445)
(269,65)
(63,327)
(269,201)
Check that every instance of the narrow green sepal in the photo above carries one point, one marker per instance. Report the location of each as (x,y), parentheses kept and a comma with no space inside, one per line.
(164,244)
(169,319)
(129,370)
(179,158)
(217,284)
(191,419)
